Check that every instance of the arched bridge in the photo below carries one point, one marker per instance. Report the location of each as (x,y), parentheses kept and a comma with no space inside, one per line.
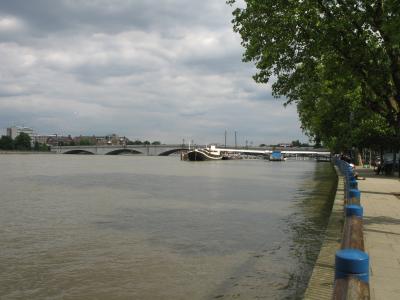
(149,150)
(165,150)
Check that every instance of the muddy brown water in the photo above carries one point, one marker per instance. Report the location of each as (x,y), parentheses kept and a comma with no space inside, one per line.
(134,227)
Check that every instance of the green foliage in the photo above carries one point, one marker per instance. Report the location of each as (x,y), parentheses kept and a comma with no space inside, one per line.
(85,142)
(297,143)
(136,142)
(6,143)
(40,147)
(332,110)
(139,142)
(339,61)
(22,142)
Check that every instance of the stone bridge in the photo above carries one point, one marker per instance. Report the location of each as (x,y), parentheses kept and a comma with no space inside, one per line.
(165,150)
(149,150)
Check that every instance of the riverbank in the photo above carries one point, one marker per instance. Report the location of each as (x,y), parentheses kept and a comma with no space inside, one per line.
(380,198)
(320,285)
(26,152)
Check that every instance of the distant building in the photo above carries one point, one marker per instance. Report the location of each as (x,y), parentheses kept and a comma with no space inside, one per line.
(59,140)
(14,131)
(111,139)
(85,140)
(41,139)
(101,140)
(52,139)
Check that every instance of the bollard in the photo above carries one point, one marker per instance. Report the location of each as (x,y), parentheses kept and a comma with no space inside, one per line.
(353,184)
(354,210)
(350,178)
(355,193)
(352,262)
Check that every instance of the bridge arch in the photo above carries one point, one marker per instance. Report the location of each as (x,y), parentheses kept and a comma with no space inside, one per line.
(122,151)
(166,153)
(78,151)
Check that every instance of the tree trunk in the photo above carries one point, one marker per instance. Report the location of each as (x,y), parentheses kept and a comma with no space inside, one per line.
(397,144)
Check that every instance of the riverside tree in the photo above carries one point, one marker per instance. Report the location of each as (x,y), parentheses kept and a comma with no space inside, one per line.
(332,109)
(22,142)
(357,42)
(6,143)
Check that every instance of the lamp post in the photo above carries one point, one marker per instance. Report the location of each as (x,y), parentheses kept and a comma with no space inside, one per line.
(225,138)
(235,140)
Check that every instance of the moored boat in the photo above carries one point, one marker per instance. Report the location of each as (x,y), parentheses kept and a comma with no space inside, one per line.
(276,156)
(231,156)
(204,154)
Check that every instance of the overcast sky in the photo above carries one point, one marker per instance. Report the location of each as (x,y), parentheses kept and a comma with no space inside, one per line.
(148,69)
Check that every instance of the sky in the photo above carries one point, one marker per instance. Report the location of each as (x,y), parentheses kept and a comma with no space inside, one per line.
(161,70)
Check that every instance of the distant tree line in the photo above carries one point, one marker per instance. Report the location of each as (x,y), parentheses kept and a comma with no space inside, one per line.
(81,141)
(138,142)
(85,141)
(21,143)
(297,143)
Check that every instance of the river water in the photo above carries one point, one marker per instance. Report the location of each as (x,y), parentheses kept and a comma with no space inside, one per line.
(134,227)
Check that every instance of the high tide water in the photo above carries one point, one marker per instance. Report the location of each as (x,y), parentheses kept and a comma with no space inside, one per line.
(136,227)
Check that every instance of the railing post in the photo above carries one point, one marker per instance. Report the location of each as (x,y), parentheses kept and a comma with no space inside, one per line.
(354,210)
(355,193)
(352,262)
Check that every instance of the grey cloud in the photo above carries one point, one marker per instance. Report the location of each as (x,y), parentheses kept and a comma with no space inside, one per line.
(12,90)
(46,16)
(162,70)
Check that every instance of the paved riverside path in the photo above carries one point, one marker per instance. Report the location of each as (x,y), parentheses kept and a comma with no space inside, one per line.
(380,197)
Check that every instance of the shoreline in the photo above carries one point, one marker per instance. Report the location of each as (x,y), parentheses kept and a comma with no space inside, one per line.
(321,283)
(26,152)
